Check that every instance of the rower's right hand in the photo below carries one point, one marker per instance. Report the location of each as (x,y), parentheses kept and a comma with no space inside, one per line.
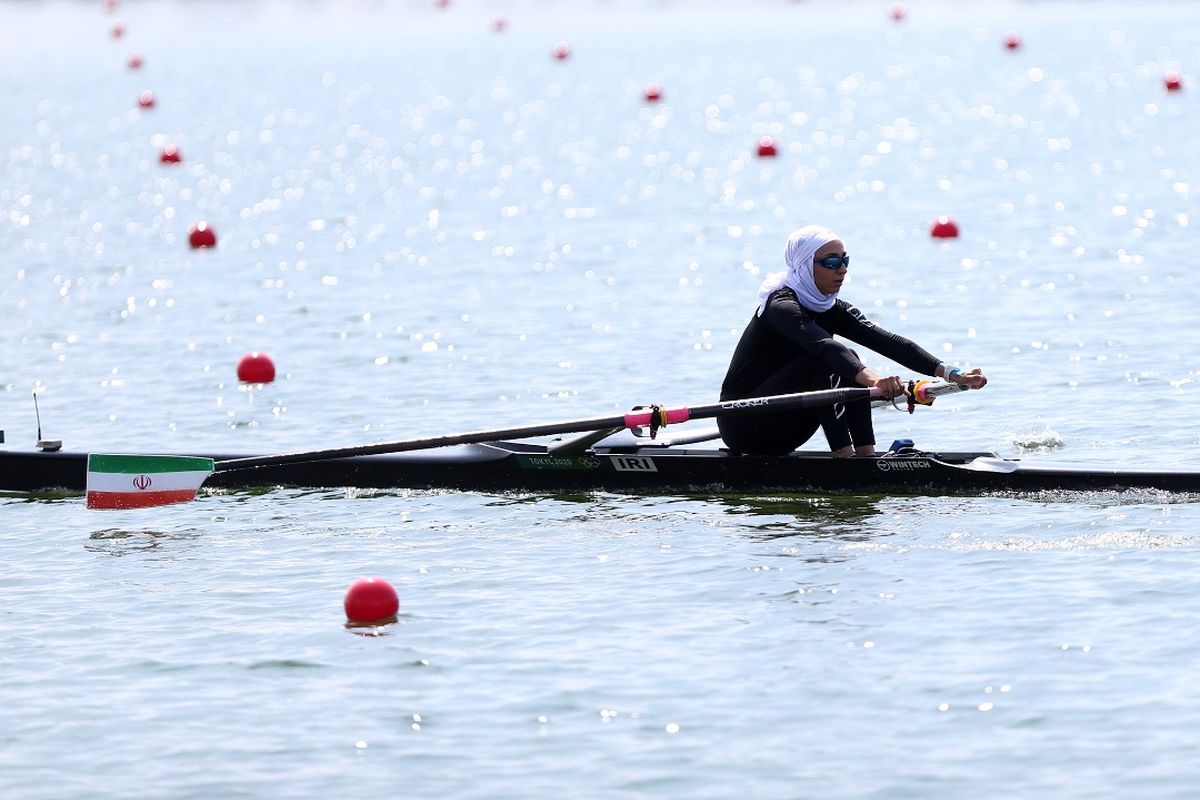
(890,387)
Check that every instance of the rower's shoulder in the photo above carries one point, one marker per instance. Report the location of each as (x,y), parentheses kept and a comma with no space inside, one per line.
(848,309)
(783,303)
(784,294)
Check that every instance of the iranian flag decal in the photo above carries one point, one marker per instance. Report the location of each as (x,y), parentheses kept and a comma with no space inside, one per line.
(117,481)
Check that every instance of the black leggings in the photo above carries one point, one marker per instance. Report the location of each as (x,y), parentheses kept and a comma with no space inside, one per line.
(780,432)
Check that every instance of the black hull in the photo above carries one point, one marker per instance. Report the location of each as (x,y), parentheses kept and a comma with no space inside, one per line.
(507,466)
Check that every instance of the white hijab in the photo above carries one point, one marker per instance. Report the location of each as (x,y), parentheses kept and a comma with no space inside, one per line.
(801,246)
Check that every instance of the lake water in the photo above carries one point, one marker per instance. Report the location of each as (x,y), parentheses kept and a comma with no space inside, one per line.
(433,226)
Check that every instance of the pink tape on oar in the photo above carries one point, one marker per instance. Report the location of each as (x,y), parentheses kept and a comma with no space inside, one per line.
(918,395)
(635,419)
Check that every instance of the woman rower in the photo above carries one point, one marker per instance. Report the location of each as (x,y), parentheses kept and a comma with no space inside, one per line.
(789,346)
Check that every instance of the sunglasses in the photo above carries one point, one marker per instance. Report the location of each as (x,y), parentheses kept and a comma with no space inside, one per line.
(833,262)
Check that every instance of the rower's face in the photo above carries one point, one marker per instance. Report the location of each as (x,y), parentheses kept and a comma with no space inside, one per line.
(828,280)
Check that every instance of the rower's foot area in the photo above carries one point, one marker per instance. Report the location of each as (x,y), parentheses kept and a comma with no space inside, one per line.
(850,451)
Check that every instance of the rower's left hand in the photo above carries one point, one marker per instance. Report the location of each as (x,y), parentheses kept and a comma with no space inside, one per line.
(972,379)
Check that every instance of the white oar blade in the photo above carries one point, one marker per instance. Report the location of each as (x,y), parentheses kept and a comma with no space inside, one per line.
(125,481)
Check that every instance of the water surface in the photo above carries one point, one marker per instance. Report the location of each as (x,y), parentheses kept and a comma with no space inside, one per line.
(431,226)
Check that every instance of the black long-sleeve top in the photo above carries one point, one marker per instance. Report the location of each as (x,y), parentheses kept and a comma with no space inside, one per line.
(787,330)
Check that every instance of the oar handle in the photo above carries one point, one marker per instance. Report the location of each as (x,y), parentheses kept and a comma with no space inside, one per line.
(923,393)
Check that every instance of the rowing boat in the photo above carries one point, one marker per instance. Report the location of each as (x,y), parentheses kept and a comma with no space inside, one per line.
(623,462)
(621,453)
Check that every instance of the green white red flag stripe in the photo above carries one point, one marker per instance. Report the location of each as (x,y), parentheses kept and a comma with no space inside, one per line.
(126,481)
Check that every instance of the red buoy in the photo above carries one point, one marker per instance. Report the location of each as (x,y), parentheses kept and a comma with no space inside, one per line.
(202,235)
(371,601)
(110,5)
(766,147)
(170,155)
(146,99)
(561,50)
(652,93)
(499,23)
(118,30)
(135,61)
(1173,81)
(897,11)
(1012,41)
(944,228)
(256,367)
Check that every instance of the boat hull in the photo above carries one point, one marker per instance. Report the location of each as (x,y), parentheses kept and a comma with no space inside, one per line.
(506,466)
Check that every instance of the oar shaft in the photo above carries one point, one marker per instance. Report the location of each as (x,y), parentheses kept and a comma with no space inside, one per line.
(631,420)
(777,402)
(429,443)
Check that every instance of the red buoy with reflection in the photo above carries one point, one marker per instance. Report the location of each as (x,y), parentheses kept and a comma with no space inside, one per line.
(202,235)
(766,147)
(944,228)
(256,367)
(371,601)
